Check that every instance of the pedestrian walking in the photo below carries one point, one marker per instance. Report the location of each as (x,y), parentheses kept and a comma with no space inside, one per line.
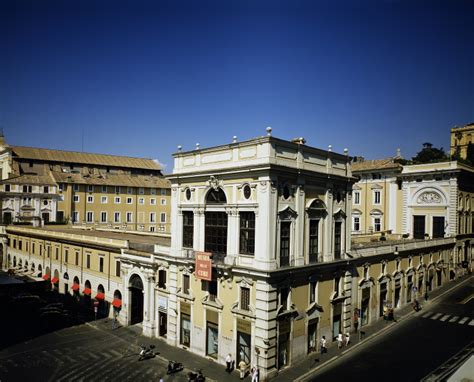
(255,374)
(340,340)
(356,319)
(347,339)
(426,295)
(242,369)
(324,348)
(228,362)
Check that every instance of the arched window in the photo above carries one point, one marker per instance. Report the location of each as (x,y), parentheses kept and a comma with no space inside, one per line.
(216,196)
(316,212)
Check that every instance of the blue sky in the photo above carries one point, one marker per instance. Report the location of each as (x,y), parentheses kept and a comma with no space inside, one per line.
(139,78)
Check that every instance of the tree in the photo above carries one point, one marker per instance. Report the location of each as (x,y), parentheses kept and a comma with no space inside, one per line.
(429,154)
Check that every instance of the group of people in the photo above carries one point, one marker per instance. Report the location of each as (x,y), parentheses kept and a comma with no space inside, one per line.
(342,340)
(243,368)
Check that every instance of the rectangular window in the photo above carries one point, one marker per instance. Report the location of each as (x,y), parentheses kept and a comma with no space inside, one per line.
(141,191)
(376,197)
(89,217)
(185,337)
(163,217)
(141,201)
(245,298)
(215,232)
(61,187)
(90,199)
(285,228)
(88,261)
(356,197)
(162,279)
(152,191)
(7,188)
(152,217)
(129,217)
(152,201)
(247,233)
(90,188)
(104,188)
(117,190)
(188,229)
(46,190)
(185,284)
(151,228)
(77,258)
(75,217)
(117,200)
(313,240)
(284,297)
(129,190)
(103,217)
(75,187)
(356,225)
(377,224)
(76,198)
(438,226)
(101,264)
(312,291)
(163,191)
(116,217)
(337,240)
(20,244)
(117,268)
(163,201)
(66,255)
(418,226)
(129,200)
(57,253)
(103,199)
(212,290)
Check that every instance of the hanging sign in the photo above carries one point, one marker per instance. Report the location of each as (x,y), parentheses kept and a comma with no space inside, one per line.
(204,266)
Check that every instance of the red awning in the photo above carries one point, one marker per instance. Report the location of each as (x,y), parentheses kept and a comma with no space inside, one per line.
(99,296)
(87,291)
(75,287)
(117,303)
(46,277)
(54,280)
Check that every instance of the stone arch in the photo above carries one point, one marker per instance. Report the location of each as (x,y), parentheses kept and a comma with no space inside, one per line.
(135,287)
(26,265)
(429,196)
(14,261)
(20,262)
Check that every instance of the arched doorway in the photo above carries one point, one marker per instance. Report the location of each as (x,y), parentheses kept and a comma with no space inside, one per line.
(102,304)
(40,270)
(26,265)
(14,261)
(75,287)
(55,281)
(136,297)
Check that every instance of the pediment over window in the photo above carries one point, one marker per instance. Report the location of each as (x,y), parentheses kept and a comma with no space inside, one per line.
(339,214)
(365,283)
(383,279)
(212,302)
(287,213)
(336,298)
(356,212)
(316,209)
(287,313)
(376,212)
(313,311)
(376,187)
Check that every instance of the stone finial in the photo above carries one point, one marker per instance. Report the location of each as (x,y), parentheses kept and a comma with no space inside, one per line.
(180,147)
(234,139)
(329,147)
(399,153)
(197,146)
(346,151)
(269,131)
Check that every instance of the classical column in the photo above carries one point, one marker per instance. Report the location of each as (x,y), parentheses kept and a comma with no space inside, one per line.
(149,319)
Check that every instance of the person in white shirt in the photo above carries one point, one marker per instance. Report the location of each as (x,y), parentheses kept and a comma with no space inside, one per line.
(348,339)
(323,345)
(340,340)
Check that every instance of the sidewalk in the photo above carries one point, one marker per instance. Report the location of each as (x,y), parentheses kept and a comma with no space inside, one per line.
(296,372)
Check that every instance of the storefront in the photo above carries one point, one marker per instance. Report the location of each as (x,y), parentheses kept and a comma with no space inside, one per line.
(244,341)
(212,334)
(185,324)
(365,305)
(313,335)
(284,329)
(162,316)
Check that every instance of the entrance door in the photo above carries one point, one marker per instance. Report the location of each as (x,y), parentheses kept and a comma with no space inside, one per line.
(383,298)
(419,226)
(312,335)
(397,297)
(243,347)
(439,276)
(45,216)
(336,320)
(7,217)
(136,296)
(364,311)
(163,324)
(212,348)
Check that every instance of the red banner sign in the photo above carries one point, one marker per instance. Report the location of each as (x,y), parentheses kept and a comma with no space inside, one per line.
(204,266)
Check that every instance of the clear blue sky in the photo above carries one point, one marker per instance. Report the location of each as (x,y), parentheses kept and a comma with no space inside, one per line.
(139,78)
